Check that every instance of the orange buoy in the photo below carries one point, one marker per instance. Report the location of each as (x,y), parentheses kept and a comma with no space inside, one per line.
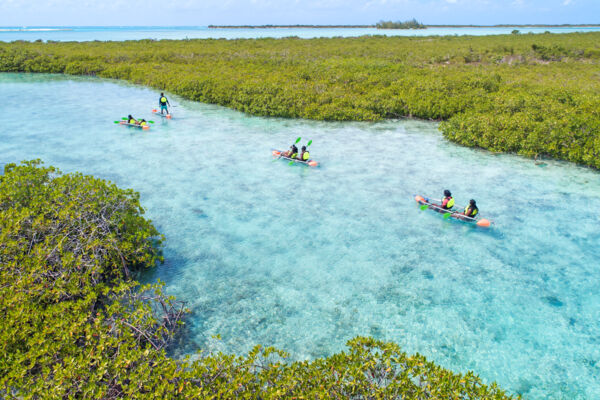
(419,199)
(483,223)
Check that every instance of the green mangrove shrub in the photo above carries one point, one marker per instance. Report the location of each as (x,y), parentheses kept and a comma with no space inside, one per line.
(410,24)
(74,324)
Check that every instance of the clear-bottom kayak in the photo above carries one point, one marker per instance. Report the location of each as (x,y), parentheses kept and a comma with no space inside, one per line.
(309,162)
(134,125)
(157,112)
(454,214)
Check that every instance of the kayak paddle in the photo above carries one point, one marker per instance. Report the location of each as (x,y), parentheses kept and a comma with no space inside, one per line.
(424,207)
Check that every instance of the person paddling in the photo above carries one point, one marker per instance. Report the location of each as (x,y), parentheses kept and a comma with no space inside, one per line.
(131,120)
(447,201)
(163,102)
(292,152)
(305,155)
(471,210)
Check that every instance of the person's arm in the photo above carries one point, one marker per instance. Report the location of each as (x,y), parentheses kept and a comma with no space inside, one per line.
(168,103)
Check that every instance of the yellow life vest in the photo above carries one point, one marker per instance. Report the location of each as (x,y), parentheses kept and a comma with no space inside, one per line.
(132,121)
(163,100)
(143,123)
(450,203)
(293,155)
(305,156)
(467,211)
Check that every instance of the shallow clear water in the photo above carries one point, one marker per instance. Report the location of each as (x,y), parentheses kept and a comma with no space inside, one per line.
(304,259)
(81,34)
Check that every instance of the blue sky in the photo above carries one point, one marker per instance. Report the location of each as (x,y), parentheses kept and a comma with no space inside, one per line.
(254,12)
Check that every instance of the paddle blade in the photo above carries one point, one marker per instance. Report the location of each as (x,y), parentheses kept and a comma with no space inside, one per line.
(291,163)
(151,122)
(117,122)
(447,215)
(297,140)
(124,119)
(309,143)
(423,207)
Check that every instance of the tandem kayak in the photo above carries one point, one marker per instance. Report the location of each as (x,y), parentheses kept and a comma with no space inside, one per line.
(167,116)
(134,125)
(482,222)
(278,153)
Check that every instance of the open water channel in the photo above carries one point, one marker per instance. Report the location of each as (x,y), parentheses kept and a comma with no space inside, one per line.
(307,258)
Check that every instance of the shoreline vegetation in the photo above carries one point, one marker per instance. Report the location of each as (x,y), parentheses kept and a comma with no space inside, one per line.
(410,24)
(533,95)
(76,324)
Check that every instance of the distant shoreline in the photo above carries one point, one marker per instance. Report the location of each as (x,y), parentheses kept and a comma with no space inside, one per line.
(427,26)
(286,26)
(34,29)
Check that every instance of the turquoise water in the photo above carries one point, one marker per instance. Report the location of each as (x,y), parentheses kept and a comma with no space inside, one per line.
(304,259)
(80,34)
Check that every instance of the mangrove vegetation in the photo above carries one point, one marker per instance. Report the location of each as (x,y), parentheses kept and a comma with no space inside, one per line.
(410,24)
(75,324)
(535,95)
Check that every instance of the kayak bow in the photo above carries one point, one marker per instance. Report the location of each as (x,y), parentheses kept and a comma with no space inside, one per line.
(279,153)
(482,222)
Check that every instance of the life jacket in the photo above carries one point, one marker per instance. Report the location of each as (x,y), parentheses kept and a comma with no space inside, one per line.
(305,156)
(473,211)
(448,203)
(163,100)
(143,123)
(132,121)
(293,155)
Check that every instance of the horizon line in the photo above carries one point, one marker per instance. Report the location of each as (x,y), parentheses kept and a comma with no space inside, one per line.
(293,25)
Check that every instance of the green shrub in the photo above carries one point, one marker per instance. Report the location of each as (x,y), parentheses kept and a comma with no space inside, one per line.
(74,324)
(410,24)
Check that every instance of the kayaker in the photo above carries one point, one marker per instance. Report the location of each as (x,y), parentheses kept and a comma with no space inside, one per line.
(447,201)
(142,122)
(131,120)
(305,155)
(292,152)
(163,102)
(471,210)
